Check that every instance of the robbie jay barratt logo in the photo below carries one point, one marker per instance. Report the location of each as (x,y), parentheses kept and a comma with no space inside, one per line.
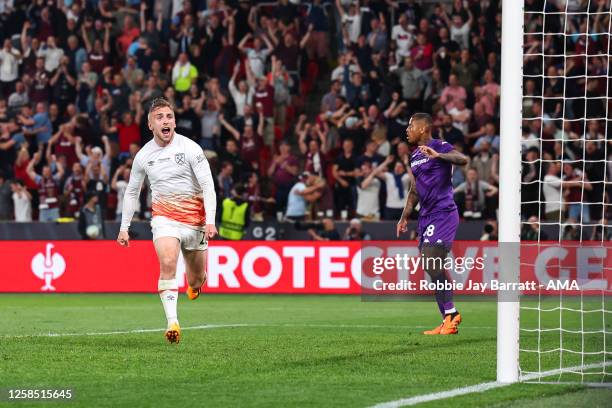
(48,266)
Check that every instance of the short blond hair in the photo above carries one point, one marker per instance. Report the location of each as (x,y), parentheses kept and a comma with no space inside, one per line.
(159,103)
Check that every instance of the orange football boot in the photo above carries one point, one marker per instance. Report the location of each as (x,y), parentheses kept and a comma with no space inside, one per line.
(173,334)
(435,330)
(192,294)
(448,326)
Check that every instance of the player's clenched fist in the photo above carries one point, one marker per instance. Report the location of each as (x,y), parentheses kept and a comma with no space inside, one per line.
(402,226)
(123,238)
(210,230)
(429,152)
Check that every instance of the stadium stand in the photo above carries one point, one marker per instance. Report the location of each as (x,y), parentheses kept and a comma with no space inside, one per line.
(269,90)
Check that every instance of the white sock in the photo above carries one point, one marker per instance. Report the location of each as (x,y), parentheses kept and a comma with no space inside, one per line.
(449,311)
(168,292)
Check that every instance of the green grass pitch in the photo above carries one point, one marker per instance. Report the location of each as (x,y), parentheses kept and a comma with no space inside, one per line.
(273,351)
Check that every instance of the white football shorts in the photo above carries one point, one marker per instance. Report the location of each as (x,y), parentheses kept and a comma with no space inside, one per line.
(191,239)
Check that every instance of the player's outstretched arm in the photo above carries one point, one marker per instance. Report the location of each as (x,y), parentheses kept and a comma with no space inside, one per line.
(130,201)
(201,169)
(452,156)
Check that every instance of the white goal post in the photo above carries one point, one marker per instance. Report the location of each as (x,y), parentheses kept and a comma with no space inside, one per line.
(511,100)
(555,131)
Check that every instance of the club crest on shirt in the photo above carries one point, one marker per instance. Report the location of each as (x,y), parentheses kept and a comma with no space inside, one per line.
(179,158)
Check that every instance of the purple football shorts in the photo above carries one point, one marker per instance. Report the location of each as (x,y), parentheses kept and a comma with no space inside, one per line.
(438,229)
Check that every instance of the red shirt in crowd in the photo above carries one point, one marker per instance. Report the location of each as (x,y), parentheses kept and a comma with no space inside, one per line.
(288,55)
(128,36)
(22,174)
(281,176)
(65,146)
(128,134)
(250,149)
(98,62)
(45,30)
(425,60)
(266,97)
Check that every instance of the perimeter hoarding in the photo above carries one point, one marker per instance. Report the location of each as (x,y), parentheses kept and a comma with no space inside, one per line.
(291,267)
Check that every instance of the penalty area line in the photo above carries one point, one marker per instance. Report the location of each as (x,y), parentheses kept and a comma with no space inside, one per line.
(405,402)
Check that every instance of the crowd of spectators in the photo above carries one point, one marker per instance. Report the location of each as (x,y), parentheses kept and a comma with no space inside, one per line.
(305,104)
(567,150)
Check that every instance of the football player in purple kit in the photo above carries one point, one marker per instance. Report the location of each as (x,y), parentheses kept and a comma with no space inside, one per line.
(431,163)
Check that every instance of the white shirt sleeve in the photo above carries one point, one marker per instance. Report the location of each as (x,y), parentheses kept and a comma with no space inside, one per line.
(552,181)
(394,33)
(201,169)
(406,180)
(132,192)
(485,185)
(233,90)
(250,94)
(175,72)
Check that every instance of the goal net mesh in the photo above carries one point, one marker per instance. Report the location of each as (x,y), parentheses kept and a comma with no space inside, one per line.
(566,336)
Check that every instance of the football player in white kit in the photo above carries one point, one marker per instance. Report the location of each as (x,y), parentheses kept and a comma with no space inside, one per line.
(184,205)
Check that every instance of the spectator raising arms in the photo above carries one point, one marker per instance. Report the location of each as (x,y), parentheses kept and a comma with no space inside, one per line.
(22,201)
(48,184)
(243,81)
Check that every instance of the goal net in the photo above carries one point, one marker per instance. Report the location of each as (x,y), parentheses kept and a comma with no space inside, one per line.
(566,167)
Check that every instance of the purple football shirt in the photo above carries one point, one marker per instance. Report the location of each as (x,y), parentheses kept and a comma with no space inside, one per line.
(433,179)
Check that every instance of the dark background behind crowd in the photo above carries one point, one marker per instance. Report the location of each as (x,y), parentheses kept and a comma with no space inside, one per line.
(302,104)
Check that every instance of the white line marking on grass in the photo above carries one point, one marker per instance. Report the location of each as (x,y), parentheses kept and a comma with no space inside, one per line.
(135,331)
(365,326)
(220,326)
(404,402)
(587,384)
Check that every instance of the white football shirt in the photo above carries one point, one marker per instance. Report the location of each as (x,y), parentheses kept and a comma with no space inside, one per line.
(404,40)
(182,187)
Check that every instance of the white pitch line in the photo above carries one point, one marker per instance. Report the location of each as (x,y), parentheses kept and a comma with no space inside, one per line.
(373,326)
(219,326)
(405,402)
(111,333)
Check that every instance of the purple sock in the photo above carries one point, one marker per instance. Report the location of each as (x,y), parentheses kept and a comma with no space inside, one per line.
(444,298)
(449,305)
(440,301)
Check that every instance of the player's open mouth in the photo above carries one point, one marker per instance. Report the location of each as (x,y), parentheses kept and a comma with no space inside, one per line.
(165,131)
